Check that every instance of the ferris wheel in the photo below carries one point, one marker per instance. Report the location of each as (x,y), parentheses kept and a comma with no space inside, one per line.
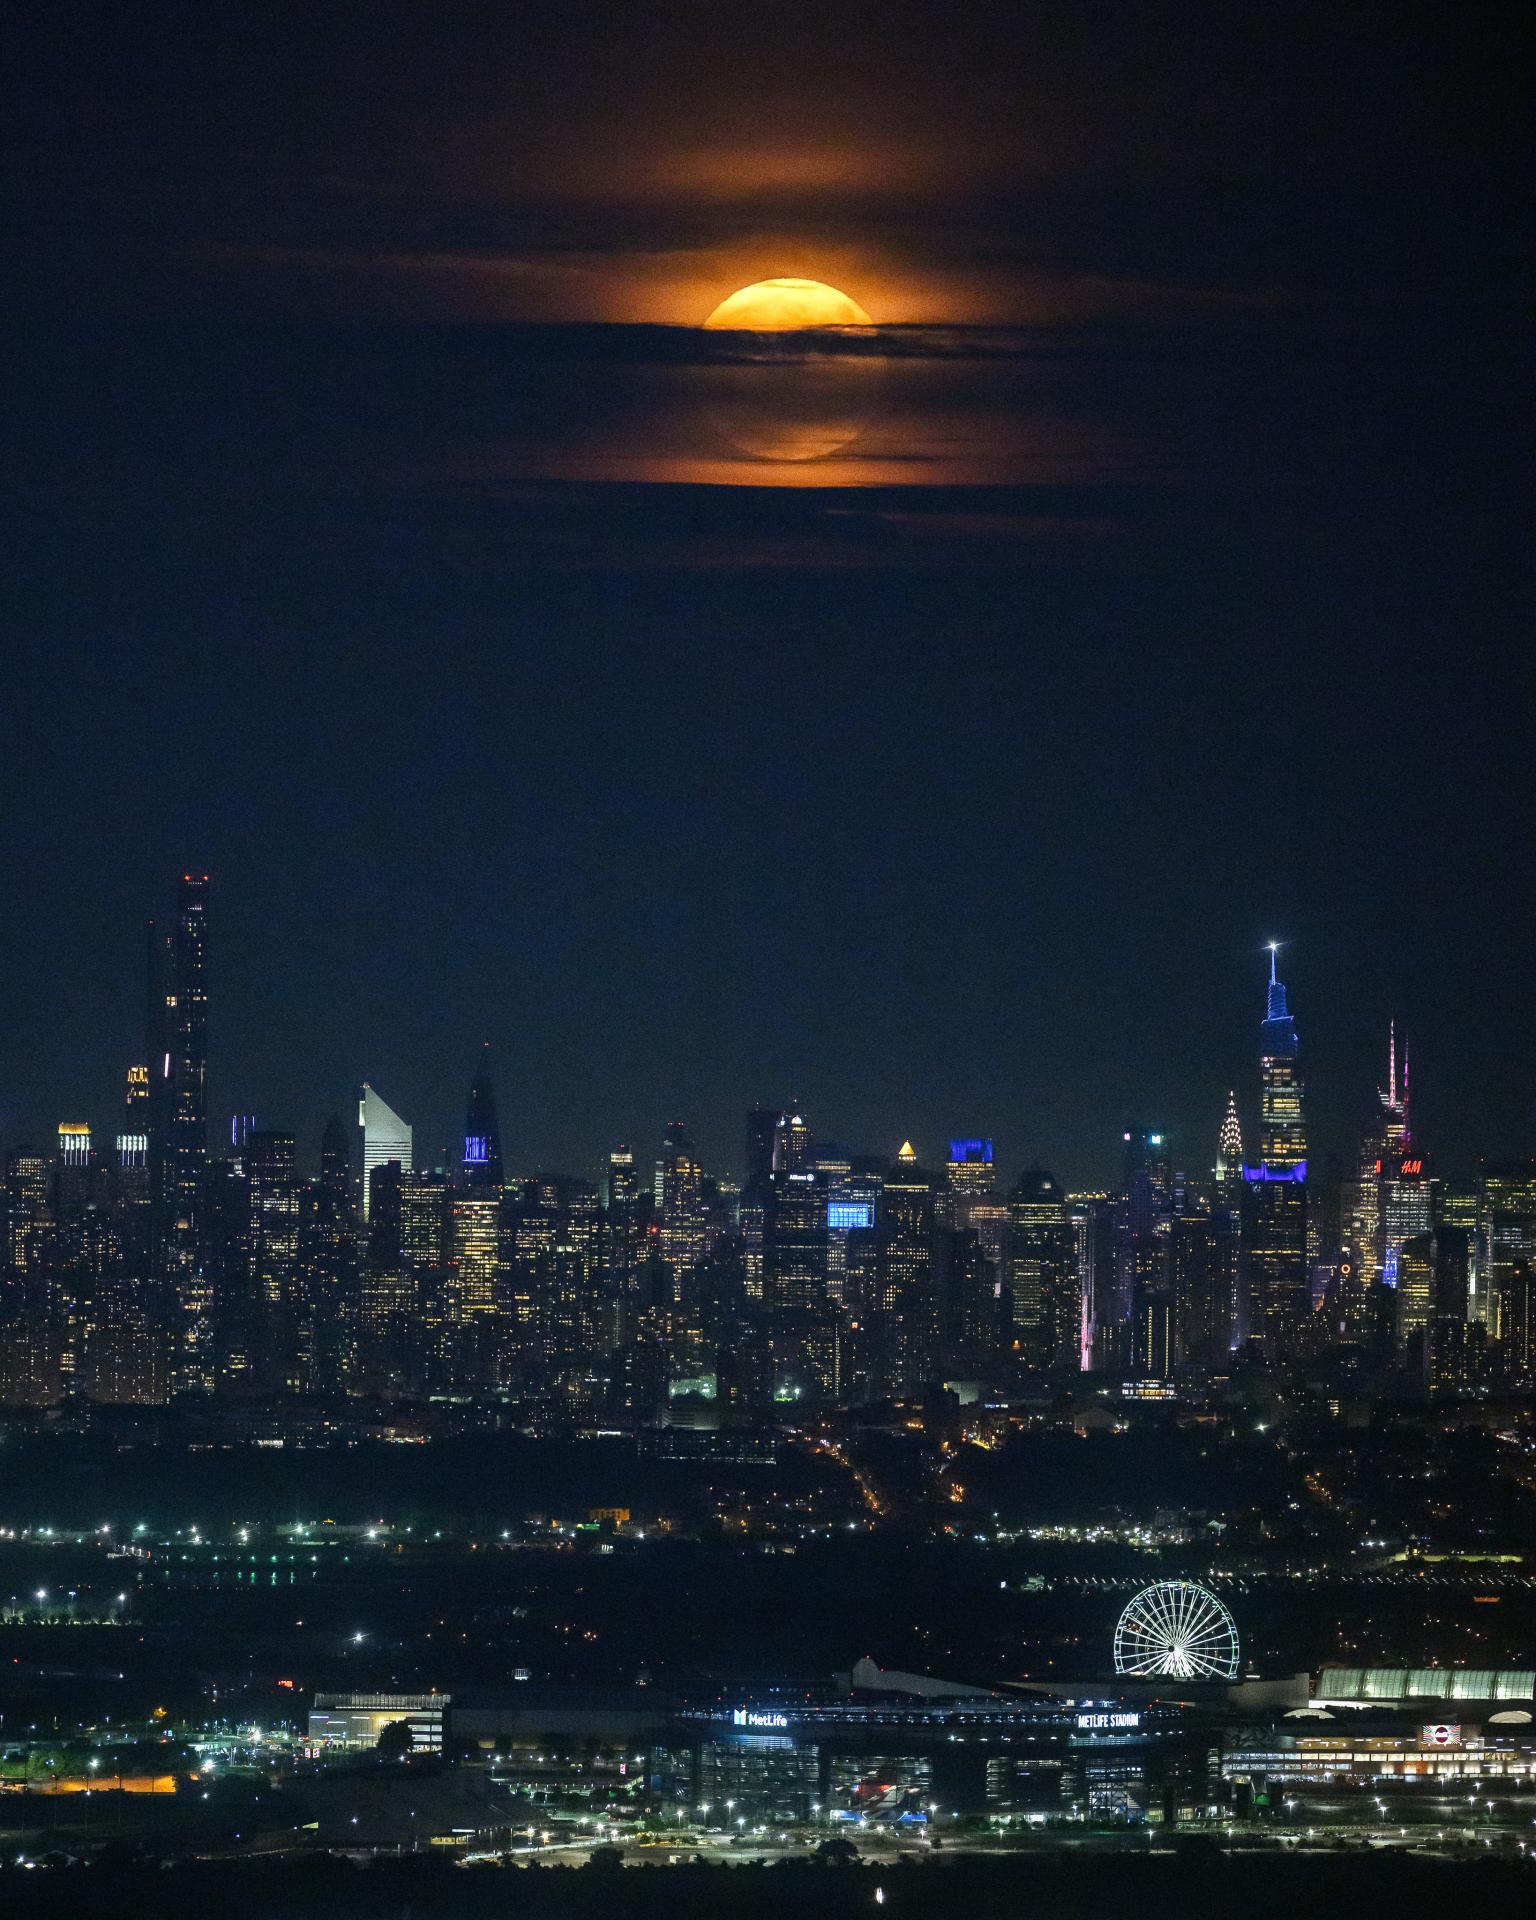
(1177,1628)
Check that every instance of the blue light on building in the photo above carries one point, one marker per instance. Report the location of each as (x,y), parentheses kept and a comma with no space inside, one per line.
(477,1150)
(971,1151)
(844,1214)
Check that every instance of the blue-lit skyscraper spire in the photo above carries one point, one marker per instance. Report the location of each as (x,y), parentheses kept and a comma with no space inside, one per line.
(482,1135)
(1275,1207)
(1282,1129)
(1278,1028)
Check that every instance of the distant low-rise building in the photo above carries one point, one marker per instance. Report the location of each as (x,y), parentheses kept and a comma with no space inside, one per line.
(353,1721)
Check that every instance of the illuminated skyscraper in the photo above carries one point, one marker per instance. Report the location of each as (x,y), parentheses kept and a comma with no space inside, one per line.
(795,1243)
(1282,1128)
(970,1167)
(29,1211)
(386,1137)
(422,1220)
(410,1239)
(1275,1201)
(620,1231)
(482,1136)
(133,1140)
(178,1131)
(1507,1238)
(129,1182)
(1210,1304)
(622,1187)
(968,1176)
(1517,1323)
(1153,1335)
(1229,1155)
(905,1317)
(684,1217)
(272,1179)
(1142,1214)
(763,1126)
(1384,1147)
(1414,1292)
(1456,1205)
(1091,1216)
(1043,1272)
(1407,1208)
(477,1251)
(972,1203)
(1398,1126)
(791,1142)
(179,1069)
(853,1203)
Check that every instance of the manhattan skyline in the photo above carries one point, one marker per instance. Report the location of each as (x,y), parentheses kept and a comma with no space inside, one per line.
(767,1099)
(436,1109)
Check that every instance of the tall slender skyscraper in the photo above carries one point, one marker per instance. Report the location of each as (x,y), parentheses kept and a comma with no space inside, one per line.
(1275,1197)
(130,1180)
(179,1067)
(1282,1128)
(905,1323)
(1384,1148)
(482,1136)
(1212,1302)
(620,1233)
(386,1137)
(178,1129)
(1396,1125)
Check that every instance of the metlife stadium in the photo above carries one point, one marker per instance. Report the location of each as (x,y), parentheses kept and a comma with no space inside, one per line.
(885,1747)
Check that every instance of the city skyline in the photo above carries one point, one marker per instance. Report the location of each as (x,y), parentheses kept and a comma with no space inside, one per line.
(1196,1154)
(159,1262)
(767,1100)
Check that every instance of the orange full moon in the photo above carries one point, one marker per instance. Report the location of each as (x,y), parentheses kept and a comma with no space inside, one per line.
(779,306)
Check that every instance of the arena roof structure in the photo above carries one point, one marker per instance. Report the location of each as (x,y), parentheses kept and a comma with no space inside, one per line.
(1356,1685)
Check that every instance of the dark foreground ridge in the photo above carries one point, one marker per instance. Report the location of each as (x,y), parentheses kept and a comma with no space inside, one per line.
(1189,1879)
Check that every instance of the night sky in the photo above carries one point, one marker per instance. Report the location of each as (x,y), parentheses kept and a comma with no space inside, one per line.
(384,539)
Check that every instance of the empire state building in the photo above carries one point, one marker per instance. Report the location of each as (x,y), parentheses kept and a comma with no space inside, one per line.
(1274,1222)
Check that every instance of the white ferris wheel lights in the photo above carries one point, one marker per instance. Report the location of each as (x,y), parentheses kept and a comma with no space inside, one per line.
(1178,1629)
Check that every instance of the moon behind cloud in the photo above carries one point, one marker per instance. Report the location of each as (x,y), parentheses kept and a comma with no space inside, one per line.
(785,305)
